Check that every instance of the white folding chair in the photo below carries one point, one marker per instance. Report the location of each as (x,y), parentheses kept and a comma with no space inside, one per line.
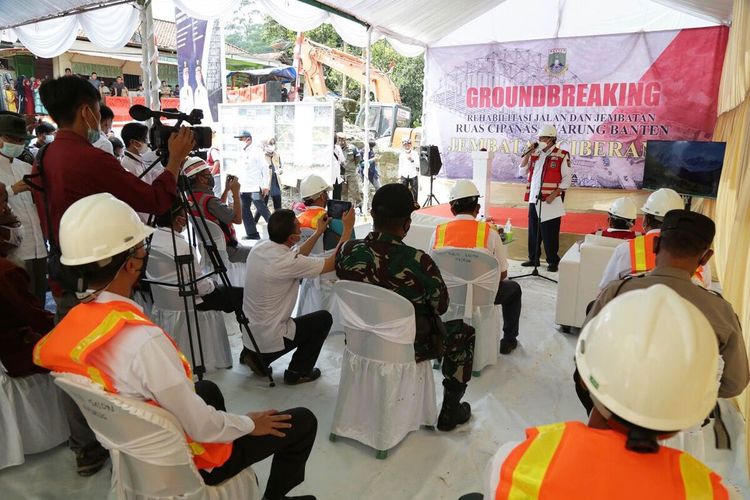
(32,418)
(168,311)
(472,278)
(151,459)
(383,393)
(235,270)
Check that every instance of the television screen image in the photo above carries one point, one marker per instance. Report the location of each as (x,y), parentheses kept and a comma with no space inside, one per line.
(689,167)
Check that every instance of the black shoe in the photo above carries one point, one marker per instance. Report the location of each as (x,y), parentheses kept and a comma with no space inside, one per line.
(255,236)
(529,263)
(507,345)
(90,462)
(294,378)
(249,359)
(452,416)
(552,268)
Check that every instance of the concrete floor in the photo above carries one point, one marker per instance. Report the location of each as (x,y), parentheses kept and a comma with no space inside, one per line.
(532,386)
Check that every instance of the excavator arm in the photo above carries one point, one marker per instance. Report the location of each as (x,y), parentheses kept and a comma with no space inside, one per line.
(314,56)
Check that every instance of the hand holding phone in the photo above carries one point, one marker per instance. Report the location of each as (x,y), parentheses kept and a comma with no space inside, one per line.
(337,208)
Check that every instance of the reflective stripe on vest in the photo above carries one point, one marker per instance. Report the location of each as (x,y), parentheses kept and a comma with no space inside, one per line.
(311,216)
(642,256)
(462,234)
(552,171)
(570,461)
(201,199)
(87,327)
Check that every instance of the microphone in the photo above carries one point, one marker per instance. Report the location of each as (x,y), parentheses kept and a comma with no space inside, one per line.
(529,148)
(140,112)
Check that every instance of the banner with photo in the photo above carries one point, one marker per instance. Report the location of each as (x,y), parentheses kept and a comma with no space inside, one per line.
(199,53)
(607,95)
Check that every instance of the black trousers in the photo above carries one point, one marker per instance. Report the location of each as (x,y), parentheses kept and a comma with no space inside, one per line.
(509,297)
(290,452)
(413,184)
(222,299)
(550,237)
(337,188)
(311,332)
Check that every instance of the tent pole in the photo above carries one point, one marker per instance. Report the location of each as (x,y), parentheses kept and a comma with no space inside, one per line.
(149,64)
(366,178)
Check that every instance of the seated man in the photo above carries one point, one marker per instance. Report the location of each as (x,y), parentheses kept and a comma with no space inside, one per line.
(622,215)
(650,377)
(213,208)
(212,296)
(463,232)
(314,192)
(137,359)
(683,244)
(274,269)
(637,255)
(384,260)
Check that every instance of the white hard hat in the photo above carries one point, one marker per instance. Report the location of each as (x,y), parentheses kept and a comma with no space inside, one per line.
(624,208)
(547,130)
(463,189)
(651,358)
(194,165)
(97,227)
(312,185)
(662,201)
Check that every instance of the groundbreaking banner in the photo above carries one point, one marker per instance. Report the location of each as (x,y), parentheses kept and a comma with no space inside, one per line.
(607,96)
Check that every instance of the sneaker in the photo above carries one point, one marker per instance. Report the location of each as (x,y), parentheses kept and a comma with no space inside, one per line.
(529,263)
(507,345)
(294,378)
(248,359)
(450,418)
(90,462)
(552,268)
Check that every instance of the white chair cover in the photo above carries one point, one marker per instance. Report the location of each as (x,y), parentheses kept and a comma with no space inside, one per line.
(150,455)
(32,418)
(235,270)
(472,278)
(168,311)
(383,393)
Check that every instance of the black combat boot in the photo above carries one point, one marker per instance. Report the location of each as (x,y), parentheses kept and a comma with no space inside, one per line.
(453,412)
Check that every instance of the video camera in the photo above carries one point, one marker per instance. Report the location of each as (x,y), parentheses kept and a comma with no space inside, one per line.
(160,133)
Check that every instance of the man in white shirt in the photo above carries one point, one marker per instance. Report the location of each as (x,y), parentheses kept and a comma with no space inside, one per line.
(137,359)
(339,163)
(255,177)
(105,127)
(464,232)
(274,270)
(32,252)
(135,137)
(547,169)
(408,168)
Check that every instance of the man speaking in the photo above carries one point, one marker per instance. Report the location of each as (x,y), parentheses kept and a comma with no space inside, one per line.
(547,169)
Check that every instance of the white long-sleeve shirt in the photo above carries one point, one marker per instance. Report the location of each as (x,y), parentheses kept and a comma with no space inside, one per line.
(143,363)
(253,172)
(32,245)
(408,164)
(136,165)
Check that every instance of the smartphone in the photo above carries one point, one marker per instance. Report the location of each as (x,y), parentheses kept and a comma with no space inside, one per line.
(337,208)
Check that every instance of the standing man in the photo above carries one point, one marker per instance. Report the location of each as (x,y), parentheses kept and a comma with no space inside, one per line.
(465,231)
(408,168)
(95,82)
(352,190)
(547,169)
(339,167)
(254,176)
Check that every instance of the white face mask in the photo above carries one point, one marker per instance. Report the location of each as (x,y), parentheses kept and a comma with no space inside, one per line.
(12,150)
(143,149)
(49,138)
(271,149)
(15,235)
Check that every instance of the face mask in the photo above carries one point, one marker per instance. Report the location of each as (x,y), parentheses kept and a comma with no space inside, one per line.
(143,149)
(49,138)
(270,149)
(15,235)
(92,134)
(11,150)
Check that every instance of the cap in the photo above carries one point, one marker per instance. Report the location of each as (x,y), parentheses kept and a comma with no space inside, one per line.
(393,200)
(341,135)
(691,222)
(14,126)
(244,134)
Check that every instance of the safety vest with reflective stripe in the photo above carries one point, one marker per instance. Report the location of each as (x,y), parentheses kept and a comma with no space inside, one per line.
(643,257)
(87,327)
(552,176)
(462,234)
(567,461)
(310,217)
(201,200)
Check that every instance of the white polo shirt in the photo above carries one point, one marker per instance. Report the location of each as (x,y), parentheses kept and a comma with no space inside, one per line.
(271,286)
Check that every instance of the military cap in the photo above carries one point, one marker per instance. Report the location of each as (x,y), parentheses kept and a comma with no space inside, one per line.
(393,200)
(690,222)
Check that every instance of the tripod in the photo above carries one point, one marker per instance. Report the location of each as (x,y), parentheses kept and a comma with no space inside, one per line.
(429,200)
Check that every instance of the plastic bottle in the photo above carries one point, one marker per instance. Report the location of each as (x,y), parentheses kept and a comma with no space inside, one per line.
(508,230)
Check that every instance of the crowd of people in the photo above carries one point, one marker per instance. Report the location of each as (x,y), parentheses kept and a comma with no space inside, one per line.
(81,218)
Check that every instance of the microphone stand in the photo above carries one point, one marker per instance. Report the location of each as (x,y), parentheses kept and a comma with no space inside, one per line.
(538,240)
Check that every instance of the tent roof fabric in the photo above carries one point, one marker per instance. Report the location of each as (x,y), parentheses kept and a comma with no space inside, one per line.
(19,12)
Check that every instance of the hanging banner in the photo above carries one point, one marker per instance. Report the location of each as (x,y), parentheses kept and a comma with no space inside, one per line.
(199,74)
(607,95)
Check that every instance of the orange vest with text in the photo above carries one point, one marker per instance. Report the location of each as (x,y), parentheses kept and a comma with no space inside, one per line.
(552,175)
(86,328)
(310,217)
(568,460)
(462,234)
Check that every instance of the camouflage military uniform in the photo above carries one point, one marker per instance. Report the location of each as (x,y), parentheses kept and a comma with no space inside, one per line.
(384,260)
(351,191)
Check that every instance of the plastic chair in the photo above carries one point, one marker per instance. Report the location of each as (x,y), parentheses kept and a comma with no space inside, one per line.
(235,270)
(473,278)
(32,418)
(383,393)
(168,311)
(150,456)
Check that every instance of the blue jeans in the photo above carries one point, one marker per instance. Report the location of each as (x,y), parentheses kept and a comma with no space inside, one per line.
(256,199)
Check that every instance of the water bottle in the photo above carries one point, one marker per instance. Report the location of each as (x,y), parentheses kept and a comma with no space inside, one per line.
(508,230)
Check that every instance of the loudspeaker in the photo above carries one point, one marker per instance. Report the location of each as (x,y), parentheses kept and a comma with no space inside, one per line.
(273,91)
(429,160)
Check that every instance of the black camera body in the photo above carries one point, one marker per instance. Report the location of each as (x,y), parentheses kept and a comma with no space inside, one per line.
(160,133)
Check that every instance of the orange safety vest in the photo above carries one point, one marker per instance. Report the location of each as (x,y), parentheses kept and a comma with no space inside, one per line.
(642,255)
(552,176)
(570,460)
(462,234)
(86,328)
(310,217)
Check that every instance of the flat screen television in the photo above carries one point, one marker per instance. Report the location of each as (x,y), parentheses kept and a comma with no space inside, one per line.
(689,167)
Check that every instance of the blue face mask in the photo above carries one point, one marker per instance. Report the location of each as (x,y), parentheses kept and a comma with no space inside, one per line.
(92,134)
(11,150)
